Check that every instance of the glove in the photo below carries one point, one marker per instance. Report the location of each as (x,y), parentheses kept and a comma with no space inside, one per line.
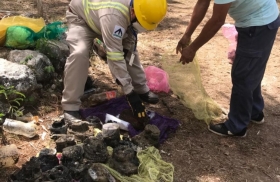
(137,107)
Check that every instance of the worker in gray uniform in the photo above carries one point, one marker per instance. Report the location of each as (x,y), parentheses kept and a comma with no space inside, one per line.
(117,23)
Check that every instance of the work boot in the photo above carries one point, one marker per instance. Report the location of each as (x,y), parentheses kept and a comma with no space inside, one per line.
(58,127)
(72,117)
(149,97)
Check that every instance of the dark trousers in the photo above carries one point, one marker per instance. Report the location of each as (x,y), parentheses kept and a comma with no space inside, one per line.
(253,49)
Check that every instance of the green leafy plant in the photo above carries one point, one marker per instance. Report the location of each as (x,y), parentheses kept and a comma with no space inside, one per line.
(49,69)
(41,45)
(25,61)
(13,98)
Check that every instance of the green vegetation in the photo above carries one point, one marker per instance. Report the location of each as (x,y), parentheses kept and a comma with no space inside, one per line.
(13,98)
(25,61)
(49,69)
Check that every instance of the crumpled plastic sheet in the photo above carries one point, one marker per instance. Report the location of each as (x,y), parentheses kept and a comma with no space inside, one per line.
(116,106)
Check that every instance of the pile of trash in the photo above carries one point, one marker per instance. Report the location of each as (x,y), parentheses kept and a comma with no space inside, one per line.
(95,149)
(95,160)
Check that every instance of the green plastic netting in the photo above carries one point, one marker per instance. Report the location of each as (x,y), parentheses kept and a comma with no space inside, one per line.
(21,37)
(185,82)
(151,169)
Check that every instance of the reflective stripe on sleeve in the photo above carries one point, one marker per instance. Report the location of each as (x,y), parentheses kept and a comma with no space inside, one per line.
(89,20)
(115,56)
(101,5)
(116,5)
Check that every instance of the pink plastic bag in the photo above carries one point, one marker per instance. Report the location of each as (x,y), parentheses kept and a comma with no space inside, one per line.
(231,34)
(157,79)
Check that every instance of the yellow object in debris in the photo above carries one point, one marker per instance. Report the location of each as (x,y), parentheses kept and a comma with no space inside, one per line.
(96,131)
(151,169)
(34,24)
(185,81)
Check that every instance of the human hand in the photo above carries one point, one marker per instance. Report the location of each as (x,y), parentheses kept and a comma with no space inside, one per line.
(187,55)
(183,42)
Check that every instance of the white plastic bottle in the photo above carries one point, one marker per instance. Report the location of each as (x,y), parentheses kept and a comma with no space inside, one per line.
(20,128)
(123,124)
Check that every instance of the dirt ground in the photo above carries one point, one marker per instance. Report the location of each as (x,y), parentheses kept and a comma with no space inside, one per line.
(197,154)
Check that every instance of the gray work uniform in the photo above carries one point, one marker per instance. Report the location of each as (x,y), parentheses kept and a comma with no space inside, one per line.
(110,20)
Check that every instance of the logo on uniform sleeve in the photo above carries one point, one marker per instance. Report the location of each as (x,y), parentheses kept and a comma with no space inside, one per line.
(118,32)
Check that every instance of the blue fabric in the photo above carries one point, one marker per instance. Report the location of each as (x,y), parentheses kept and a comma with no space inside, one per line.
(248,13)
(254,45)
(116,106)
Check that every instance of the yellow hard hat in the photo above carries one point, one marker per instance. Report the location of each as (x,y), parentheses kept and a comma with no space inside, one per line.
(150,12)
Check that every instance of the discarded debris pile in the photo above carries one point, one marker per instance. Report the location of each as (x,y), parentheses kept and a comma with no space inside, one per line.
(82,161)
(87,153)
(119,106)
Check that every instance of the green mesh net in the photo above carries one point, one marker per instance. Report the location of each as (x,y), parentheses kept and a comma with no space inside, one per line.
(21,37)
(151,169)
(185,81)
(51,31)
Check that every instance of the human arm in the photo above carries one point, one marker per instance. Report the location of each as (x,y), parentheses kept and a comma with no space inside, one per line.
(117,38)
(198,14)
(209,30)
(113,29)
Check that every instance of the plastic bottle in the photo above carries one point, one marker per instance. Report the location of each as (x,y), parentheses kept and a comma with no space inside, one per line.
(20,128)
(123,124)
(103,97)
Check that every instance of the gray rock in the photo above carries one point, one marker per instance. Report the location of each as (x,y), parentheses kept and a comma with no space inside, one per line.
(8,155)
(56,51)
(17,75)
(4,52)
(38,62)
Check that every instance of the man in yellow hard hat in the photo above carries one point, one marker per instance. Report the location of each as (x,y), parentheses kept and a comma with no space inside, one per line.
(117,23)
